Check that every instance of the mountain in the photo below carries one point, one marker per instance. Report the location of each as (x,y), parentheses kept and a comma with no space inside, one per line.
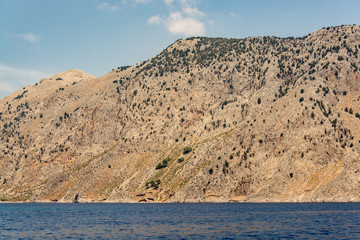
(260,119)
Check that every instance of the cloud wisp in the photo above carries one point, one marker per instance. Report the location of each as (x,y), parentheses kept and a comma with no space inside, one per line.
(182,2)
(154,20)
(142,1)
(236,16)
(107,6)
(12,79)
(168,2)
(30,37)
(193,11)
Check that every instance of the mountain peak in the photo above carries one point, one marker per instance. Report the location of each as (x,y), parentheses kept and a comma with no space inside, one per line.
(72,75)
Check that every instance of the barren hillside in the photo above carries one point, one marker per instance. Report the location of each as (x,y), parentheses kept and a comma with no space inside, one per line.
(207,120)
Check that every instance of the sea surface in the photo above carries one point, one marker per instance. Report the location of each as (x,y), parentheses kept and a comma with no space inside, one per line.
(180,221)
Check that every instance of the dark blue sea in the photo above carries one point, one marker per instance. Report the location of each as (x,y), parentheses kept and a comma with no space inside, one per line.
(180,221)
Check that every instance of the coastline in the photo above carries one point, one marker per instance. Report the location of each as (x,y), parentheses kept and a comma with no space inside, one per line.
(185,202)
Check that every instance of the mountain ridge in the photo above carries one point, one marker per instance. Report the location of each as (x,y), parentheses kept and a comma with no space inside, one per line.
(207,120)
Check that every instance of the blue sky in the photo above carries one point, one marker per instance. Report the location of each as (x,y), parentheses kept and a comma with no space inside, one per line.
(39,38)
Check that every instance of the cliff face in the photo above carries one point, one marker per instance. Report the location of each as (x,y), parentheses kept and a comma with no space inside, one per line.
(206,120)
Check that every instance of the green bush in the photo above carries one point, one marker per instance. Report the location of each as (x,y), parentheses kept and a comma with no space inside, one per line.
(187,150)
(153,184)
(180,160)
(163,164)
(160,166)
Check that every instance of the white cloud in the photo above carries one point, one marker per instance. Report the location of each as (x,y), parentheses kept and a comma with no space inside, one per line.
(12,79)
(177,24)
(154,20)
(236,16)
(107,6)
(187,20)
(30,37)
(103,5)
(193,11)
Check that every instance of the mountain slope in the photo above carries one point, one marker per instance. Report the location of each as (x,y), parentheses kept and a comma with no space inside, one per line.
(208,119)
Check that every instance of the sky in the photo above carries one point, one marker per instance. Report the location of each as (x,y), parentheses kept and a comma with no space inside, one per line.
(39,38)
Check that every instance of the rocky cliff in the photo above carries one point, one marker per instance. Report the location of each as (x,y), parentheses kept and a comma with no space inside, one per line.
(207,120)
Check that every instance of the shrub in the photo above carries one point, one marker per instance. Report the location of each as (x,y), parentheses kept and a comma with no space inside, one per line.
(180,160)
(160,166)
(153,184)
(259,101)
(301,99)
(163,164)
(187,150)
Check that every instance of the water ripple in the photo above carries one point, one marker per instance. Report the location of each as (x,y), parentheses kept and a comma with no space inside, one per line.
(180,221)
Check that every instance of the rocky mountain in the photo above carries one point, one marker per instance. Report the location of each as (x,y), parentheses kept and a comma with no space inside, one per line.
(207,120)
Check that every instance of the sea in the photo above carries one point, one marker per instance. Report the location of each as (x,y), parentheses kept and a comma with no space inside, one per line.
(180,221)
